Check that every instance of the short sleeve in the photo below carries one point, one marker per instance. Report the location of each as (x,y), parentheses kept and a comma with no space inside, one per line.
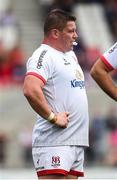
(40,65)
(110,57)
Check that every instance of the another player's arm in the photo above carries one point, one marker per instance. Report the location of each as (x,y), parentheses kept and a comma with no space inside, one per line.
(33,92)
(100,74)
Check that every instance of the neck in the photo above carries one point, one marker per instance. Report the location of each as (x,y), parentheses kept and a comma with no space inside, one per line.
(54,44)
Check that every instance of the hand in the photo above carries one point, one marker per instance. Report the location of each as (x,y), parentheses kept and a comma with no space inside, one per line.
(62,119)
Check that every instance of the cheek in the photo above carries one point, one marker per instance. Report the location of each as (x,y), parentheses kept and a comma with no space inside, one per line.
(64,41)
(67,39)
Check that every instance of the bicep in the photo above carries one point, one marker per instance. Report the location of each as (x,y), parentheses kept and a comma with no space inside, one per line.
(32,84)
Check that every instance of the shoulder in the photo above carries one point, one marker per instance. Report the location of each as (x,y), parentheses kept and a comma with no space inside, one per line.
(110,57)
(72,55)
(112,50)
(40,52)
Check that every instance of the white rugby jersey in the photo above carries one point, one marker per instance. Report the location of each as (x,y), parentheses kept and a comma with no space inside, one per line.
(64,90)
(110,57)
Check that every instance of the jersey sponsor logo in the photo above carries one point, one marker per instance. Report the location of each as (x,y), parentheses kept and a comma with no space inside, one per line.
(79,75)
(113,48)
(55,161)
(78,82)
(39,63)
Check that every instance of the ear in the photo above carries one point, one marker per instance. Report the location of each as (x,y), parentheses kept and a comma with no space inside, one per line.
(55,33)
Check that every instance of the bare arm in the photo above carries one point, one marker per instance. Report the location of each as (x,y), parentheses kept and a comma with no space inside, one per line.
(100,74)
(33,92)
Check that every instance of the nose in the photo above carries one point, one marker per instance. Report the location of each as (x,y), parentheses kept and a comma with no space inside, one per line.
(75,35)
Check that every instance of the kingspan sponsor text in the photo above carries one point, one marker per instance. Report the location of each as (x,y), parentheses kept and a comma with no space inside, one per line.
(77,83)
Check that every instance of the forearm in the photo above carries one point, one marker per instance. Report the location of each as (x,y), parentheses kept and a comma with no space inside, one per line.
(105,81)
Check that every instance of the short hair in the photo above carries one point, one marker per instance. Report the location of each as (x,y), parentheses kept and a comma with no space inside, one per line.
(57,19)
